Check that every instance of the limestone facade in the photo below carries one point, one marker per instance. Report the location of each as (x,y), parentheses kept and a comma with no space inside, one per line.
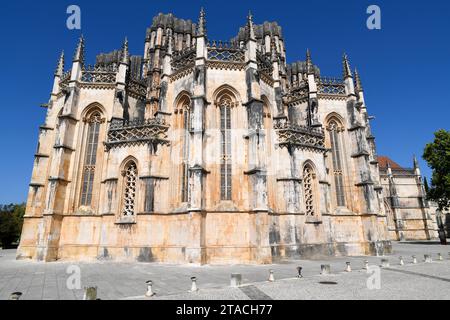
(410,215)
(204,151)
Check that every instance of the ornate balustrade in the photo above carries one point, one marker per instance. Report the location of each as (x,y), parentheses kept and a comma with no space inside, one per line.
(264,63)
(99,74)
(329,85)
(137,87)
(65,78)
(298,92)
(183,59)
(225,51)
(136,132)
(301,137)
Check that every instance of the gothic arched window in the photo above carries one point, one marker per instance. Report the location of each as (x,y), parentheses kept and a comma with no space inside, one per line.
(129,193)
(267,116)
(309,190)
(225,134)
(335,131)
(184,123)
(90,158)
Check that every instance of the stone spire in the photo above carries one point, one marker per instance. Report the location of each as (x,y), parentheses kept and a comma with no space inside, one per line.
(273,49)
(346,65)
(250,29)
(309,64)
(60,66)
(170,40)
(125,53)
(359,86)
(415,162)
(79,52)
(201,26)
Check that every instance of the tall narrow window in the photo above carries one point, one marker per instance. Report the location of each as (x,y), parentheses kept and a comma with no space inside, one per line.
(93,124)
(308,186)
(185,114)
(335,143)
(129,194)
(267,116)
(225,165)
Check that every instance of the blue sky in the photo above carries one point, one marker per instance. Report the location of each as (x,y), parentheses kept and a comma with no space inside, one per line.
(404,67)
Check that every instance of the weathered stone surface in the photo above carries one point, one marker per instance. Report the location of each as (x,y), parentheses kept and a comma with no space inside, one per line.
(210,153)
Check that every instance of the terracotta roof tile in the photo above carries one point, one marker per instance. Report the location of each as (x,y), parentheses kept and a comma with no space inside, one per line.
(383,161)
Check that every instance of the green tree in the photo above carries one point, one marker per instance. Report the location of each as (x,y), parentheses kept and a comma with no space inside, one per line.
(11,221)
(425,184)
(437,154)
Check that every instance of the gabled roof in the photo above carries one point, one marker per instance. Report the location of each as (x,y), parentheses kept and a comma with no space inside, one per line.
(383,162)
(397,170)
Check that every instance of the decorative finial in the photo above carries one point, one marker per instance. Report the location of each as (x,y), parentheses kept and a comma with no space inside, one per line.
(359,86)
(60,66)
(169,48)
(273,49)
(201,27)
(388,164)
(415,162)
(79,53)
(346,65)
(250,29)
(125,52)
(309,64)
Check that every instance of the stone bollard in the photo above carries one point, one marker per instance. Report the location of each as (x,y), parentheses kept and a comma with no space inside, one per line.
(440,257)
(348,268)
(325,269)
(236,280)
(149,292)
(385,263)
(194,284)
(15,296)
(401,261)
(299,272)
(90,293)
(427,258)
(271,277)
(366,265)
(414,259)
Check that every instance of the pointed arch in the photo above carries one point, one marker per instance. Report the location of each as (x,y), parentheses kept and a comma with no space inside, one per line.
(225,99)
(226,92)
(310,189)
(267,107)
(336,116)
(93,119)
(183,122)
(335,129)
(183,99)
(92,107)
(129,186)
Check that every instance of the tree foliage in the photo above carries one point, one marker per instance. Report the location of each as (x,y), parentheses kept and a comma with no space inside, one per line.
(425,184)
(11,221)
(437,154)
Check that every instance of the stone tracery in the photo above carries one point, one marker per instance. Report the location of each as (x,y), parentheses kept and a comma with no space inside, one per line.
(129,193)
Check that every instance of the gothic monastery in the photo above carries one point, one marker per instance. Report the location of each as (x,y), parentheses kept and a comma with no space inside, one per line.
(204,151)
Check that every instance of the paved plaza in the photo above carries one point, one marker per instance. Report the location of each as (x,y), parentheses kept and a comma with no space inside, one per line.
(123,280)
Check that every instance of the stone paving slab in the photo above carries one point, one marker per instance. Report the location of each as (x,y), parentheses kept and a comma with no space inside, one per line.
(124,280)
